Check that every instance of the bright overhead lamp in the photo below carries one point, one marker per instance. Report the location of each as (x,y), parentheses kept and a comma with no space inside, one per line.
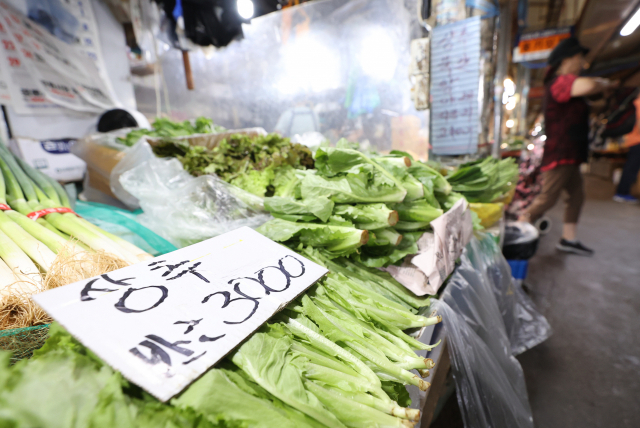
(510,123)
(509,87)
(245,8)
(631,24)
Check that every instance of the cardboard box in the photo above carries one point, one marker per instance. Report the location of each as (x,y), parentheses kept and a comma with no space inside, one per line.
(52,157)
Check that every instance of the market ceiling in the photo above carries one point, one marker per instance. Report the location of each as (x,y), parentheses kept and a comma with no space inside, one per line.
(599,29)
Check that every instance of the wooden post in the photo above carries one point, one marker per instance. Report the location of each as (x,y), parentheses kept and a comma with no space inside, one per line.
(187,70)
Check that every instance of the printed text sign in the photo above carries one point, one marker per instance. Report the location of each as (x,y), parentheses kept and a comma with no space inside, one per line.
(455,82)
(164,322)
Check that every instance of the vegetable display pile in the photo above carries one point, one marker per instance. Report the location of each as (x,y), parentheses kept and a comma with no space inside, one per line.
(28,248)
(163,127)
(336,357)
(262,165)
(485,180)
(372,209)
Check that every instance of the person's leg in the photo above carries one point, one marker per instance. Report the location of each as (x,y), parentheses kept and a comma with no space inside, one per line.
(630,171)
(575,201)
(575,189)
(569,231)
(552,185)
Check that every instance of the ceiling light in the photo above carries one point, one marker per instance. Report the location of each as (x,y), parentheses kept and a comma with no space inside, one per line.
(631,24)
(509,87)
(245,8)
(510,123)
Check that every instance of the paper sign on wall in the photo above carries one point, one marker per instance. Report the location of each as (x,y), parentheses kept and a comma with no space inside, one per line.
(455,85)
(164,322)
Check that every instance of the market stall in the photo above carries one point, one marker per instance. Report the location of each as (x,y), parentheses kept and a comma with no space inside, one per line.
(226,276)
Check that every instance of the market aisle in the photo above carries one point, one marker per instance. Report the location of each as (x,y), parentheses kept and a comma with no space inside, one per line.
(588,373)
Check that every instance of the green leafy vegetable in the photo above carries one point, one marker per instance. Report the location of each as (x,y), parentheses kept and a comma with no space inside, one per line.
(485,180)
(338,240)
(368,216)
(263,165)
(319,208)
(166,128)
(348,176)
(398,166)
(417,211)
(430,178)
(267,361)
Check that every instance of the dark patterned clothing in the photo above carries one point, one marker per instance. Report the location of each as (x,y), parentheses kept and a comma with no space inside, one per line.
(566,125)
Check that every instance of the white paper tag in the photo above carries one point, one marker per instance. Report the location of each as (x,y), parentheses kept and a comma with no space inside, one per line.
(164,322)
(425,272)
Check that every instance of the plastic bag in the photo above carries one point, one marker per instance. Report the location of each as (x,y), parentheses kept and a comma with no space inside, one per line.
(525,326)
(184,209)
(486,396)
(124,224)
(490,384)
(489,214)
(137,155)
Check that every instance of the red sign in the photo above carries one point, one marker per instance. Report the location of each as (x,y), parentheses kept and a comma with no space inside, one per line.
(542,43)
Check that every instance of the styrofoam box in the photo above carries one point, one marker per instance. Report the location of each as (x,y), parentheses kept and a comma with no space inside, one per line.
(52,157)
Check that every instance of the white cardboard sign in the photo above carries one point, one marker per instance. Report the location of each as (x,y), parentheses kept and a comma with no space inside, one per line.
(425,272)
(164,322)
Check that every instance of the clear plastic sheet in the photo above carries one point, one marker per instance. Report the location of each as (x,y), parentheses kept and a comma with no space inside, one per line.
(525,326)
(487,396)
(136,155)
(490,383)
(335,67)
(184,209)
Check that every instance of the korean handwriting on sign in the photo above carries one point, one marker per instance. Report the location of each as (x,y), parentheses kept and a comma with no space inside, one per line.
(159,350)
(180,272)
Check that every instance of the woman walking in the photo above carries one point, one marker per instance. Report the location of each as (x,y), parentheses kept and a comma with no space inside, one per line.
(566,115)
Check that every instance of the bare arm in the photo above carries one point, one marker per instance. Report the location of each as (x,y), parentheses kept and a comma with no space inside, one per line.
(584,86)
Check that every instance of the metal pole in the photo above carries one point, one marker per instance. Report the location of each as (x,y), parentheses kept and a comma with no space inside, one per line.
(504,43)
(524,100)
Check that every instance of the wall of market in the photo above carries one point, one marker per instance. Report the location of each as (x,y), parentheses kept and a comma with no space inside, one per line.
(71,124)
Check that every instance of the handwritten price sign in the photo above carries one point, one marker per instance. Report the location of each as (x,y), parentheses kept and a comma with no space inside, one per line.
(164,322)
(455,79)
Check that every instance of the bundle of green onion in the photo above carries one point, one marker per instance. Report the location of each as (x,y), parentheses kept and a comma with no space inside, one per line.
(31,235)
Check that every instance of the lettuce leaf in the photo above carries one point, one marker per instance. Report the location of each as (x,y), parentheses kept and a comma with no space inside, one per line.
(338,240)
(320,208)
(267,361)
(224,395)
(348,176)
(367,216)
(425,174)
